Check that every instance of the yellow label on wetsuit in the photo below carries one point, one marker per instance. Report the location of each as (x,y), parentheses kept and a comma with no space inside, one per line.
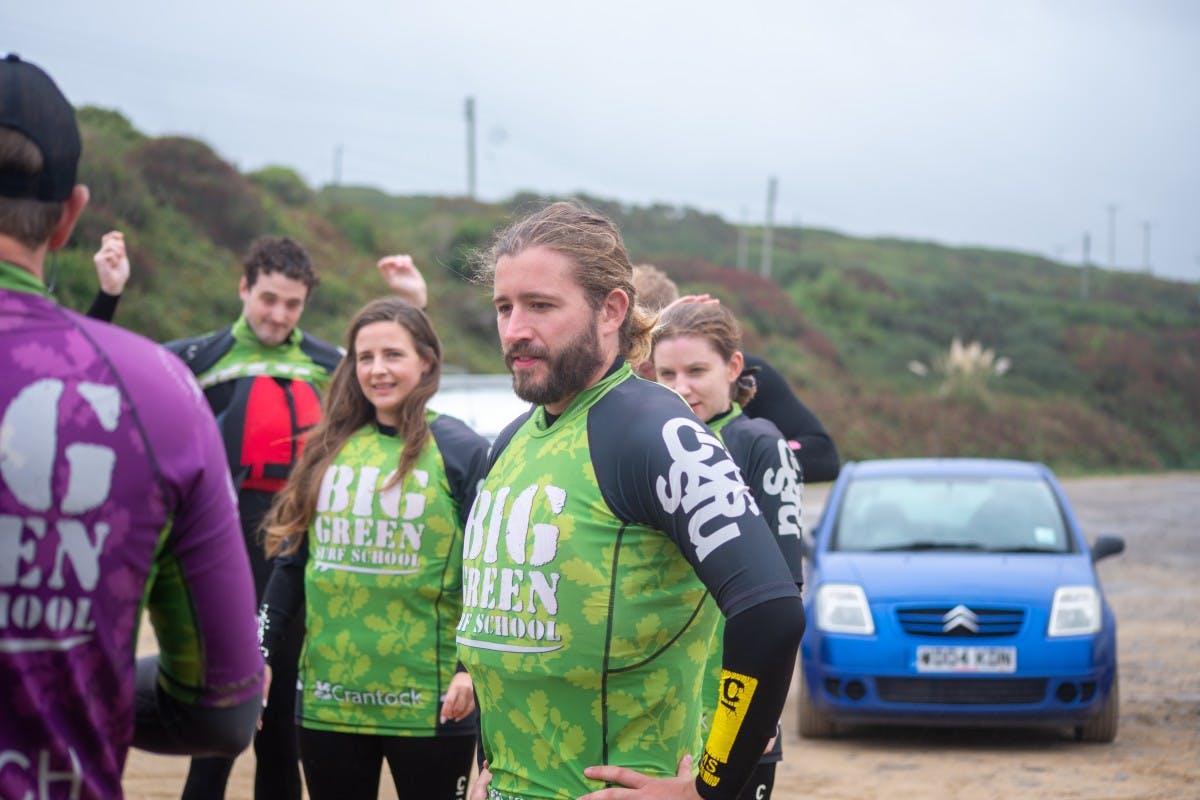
(736,692)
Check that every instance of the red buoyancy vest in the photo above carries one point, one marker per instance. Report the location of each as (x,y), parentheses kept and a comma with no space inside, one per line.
(263,429)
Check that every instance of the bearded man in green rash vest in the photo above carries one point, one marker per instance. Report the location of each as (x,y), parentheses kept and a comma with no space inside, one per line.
(608,515)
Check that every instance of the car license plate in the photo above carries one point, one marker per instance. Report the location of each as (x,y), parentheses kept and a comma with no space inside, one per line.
(966,659)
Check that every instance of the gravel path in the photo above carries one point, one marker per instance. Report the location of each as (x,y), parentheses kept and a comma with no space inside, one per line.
(1154,587)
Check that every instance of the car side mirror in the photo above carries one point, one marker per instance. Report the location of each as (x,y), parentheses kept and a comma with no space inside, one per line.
(1106,546)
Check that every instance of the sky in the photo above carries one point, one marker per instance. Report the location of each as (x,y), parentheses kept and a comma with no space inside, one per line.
(1028,125)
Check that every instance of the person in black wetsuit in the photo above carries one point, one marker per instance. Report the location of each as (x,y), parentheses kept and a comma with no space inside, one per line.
(263,377)
(697,352)
(774,400)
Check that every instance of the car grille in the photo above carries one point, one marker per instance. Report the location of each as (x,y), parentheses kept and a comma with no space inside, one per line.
(962,691)
(932,621)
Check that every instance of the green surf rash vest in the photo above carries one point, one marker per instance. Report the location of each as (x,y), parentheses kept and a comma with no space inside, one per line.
(264,397)
(588,556)
(235,352)
(382,581)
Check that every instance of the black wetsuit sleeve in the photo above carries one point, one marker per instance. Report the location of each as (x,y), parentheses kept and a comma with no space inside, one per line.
(104,306)
(668,471)
(200,353)
(168,726)
(775,401)
(283,599)
(770,470)
(766,634)
(465,457)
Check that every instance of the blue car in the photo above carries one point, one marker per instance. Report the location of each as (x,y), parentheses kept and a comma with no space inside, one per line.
(956,592)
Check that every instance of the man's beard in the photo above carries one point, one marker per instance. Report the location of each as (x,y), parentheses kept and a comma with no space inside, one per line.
(568,371)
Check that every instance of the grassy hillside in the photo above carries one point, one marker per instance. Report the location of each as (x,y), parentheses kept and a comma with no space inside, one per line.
(1104,380)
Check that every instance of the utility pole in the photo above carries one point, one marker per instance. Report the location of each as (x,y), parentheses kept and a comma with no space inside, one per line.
(1146,245)
(1112,236)
(743,246)
(1086,266)
(337,165)
(470,113)
(772,187)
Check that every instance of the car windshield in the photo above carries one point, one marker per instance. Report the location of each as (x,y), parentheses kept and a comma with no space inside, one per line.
(1012,515)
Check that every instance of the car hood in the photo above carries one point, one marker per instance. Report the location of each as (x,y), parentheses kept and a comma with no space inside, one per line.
(1018,577)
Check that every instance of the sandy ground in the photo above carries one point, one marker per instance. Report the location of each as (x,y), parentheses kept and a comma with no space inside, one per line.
(1154,588)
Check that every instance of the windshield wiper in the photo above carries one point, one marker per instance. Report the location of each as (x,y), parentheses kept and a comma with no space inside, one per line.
(1022,549)
(927,545)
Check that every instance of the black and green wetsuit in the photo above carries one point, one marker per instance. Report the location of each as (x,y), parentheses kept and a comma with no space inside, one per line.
(263,398)
(770,468)
(589,553)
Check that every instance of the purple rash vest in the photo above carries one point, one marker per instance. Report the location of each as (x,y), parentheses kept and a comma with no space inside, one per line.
(113,492)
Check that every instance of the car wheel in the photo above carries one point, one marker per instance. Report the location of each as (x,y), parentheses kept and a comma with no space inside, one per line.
(1102,727)
(814,723)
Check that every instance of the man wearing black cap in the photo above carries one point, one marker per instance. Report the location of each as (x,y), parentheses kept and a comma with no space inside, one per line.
(113,496)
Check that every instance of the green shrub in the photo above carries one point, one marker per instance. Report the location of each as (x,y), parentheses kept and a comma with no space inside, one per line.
(188,176)
(284,184)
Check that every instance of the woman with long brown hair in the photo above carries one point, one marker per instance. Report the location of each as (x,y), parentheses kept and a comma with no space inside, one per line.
(370,530)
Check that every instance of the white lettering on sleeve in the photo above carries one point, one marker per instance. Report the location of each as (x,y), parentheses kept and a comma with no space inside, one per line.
(705,490)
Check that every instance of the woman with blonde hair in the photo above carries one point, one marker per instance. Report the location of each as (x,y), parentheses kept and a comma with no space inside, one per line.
(370,531)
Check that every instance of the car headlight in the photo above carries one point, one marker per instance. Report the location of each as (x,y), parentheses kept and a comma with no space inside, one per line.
(842,608)
(1075,612)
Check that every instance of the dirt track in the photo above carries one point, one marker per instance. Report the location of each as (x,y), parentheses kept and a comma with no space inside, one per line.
(1154,587)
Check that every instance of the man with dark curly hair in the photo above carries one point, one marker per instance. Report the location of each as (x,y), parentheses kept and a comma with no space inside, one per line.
(263,378)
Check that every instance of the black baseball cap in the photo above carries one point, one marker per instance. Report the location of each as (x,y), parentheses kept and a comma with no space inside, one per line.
(31,103)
